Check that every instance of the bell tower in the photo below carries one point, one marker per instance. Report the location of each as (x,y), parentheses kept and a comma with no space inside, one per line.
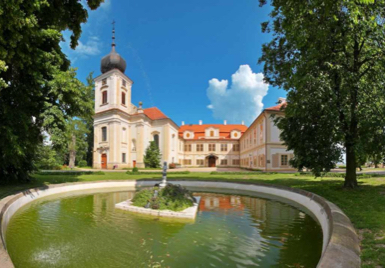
(113,109)
(113,87)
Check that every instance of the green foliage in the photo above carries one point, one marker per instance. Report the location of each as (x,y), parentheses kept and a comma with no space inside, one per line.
(82,163)
(171,197)
(38,91)
(152,156)
(46,157)
(135,170)
(329,56)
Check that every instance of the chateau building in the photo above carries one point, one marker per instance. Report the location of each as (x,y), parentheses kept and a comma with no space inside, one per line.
(123,131)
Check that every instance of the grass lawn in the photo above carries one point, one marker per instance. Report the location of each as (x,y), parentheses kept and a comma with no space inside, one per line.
(365,206)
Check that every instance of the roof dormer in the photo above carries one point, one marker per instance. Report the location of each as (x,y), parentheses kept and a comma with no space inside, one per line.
(212,133)
(188,134)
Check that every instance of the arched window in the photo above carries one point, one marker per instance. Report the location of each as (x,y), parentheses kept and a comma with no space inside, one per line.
(104,97)
(123,98)
(156,140)
(104,133)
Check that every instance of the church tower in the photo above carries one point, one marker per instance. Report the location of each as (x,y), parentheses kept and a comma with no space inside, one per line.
(122,131)
(112,109)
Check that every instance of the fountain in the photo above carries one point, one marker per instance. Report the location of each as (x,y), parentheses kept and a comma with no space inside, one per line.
(163,200)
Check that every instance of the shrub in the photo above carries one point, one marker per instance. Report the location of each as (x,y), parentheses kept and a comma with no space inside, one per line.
(82,163)
(172,197)
(135,170)
(57,167)
(172,166)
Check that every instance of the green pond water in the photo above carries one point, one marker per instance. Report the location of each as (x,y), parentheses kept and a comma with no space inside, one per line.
(230,231)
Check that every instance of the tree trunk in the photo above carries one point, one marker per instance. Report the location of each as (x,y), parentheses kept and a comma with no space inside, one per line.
(351,176)
(72,152)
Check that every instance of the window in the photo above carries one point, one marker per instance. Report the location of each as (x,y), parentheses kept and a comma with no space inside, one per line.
(173,143)
(224,162)
(187,147)
(104,97)
(187,135)
(124,82)
(235,134)
(212,147)
(123,98)
(255,161)
(236,147)
(104,81)
(223,147)
(156,140)
(199,147)
(123,157)
(104,133)
(187,161)
(284,160)
(236,162)
(211,133)
(200,162)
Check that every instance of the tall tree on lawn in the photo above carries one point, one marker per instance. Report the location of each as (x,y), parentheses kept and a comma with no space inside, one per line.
(329,57)
(33,68)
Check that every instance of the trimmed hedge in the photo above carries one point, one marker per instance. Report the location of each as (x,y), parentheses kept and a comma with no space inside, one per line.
(240,173)
(340,175)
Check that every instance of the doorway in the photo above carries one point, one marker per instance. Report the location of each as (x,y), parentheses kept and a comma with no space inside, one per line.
(134,163)
(212,161)
(104,161)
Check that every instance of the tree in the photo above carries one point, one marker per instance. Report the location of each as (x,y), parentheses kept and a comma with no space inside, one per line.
(329,57)
(32,69)
(152,156)
(90,121)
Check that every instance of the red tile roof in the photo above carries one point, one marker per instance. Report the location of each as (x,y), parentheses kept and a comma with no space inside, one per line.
(224,130)
(277,107)
(154,113)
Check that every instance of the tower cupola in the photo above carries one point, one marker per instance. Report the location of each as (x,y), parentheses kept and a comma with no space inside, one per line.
(113,60)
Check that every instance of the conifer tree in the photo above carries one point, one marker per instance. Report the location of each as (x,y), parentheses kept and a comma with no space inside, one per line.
(152,156)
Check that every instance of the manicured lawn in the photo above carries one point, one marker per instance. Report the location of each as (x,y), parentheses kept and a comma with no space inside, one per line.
(365,206)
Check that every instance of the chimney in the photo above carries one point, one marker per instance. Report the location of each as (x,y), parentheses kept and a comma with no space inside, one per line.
(243,122)
(225,122)
(281,100)
(200,122)
(182,123)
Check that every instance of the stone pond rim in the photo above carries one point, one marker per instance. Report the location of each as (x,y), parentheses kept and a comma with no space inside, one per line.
(341,247)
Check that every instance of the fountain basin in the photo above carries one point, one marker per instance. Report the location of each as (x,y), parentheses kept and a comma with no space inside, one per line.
(340,247)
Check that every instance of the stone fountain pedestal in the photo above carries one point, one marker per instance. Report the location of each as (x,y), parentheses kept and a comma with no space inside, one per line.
(188,213)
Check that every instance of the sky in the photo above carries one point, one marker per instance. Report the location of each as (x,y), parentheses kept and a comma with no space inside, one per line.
(194,60)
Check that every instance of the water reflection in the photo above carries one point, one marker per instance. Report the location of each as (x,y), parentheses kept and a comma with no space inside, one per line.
(229,231)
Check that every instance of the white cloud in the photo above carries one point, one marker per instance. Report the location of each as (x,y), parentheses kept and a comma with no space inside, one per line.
(242,101)
(90,48)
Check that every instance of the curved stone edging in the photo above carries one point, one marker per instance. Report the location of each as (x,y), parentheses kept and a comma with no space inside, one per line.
(340,242)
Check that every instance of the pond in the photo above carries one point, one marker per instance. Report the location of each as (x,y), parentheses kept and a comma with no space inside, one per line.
(230,230)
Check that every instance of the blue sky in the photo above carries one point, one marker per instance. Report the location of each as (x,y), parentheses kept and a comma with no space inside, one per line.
(179,53)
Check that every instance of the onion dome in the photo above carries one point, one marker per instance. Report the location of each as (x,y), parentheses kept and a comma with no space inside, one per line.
(113,60)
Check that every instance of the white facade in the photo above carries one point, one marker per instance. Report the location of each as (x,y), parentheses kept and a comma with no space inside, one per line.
(123,131)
